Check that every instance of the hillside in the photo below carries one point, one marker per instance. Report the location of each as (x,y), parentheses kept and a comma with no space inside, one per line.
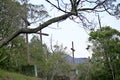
(5,75)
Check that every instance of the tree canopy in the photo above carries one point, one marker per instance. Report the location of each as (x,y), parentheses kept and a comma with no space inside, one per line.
(106,54)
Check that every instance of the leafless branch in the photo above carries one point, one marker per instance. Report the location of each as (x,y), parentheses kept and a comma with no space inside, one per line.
(107,11)
(78,2)
(56,6)
(84,9)
(91,1)
(74,11)
(71,1)
(27,30)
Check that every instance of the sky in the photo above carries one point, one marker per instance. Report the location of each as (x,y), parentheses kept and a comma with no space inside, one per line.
(67,31)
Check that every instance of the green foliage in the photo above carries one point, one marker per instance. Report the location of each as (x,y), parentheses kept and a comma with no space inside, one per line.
(4,75)
(17,51)
(36,12)
(4,57)
(9,17)
(49,64)
(106,51)
(103,33)
(84,71)
(14,14)
(13,56)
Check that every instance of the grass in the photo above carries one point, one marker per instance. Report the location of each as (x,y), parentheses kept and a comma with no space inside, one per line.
(5,75)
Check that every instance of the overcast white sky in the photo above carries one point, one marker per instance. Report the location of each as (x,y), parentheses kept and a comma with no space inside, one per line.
(69,31)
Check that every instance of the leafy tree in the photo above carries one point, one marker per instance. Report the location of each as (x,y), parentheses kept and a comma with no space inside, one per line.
(84,70)
(38,55)
(60,66)
(17,51)
(105,47)
(9,17)
(13,56)
(13,17)
(73,9)
(3,57)
(49,64)
(16,15)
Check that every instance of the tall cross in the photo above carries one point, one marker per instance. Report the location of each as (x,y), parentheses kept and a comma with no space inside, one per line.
(40,33)
(28,51)
(73,50)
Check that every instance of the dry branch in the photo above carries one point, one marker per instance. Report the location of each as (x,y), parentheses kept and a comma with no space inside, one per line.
(27,30)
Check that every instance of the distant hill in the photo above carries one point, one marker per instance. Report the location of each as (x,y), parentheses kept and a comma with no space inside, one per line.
(77,60)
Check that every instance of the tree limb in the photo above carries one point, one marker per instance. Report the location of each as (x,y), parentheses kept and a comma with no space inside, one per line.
(28,30)
(57,7)
(74,10)
(84,9)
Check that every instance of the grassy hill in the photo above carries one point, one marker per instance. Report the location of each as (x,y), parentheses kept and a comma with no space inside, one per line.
(5,75)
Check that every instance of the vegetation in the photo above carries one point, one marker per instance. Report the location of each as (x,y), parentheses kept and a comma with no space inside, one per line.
(5,75)
(17,15)
(105,59)
(48,64)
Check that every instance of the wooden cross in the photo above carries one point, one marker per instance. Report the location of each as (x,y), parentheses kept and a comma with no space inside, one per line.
(73,50)
(28,51)
(40,33)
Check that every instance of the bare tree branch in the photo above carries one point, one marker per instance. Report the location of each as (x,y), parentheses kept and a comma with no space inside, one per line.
(74,11)
(71,1)
(56,6)
(107,11)
(27,30)
(84,9)
(78,2)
